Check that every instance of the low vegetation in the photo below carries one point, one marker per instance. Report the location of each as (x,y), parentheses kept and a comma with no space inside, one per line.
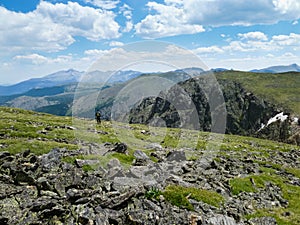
(179,196)
(280,88)
(21,130)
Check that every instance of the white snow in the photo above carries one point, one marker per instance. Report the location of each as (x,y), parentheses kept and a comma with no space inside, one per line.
(276,118)
(279,117)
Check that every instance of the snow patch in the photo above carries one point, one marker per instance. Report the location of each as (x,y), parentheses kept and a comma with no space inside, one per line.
(279,117)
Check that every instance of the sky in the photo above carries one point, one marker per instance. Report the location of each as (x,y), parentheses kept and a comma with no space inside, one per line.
(42,37)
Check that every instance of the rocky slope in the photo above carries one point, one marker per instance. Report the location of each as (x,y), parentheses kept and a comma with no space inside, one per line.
(46,190)
(252,99)
(103,181)
(244,114)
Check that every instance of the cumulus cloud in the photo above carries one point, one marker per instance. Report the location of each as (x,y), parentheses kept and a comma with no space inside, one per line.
(116,43)
(95,52)
(53,27)
(210,49)
(37,59)
(175,17)
(255,42)
(32,58)
(290,7)
(286,40)
(126,11)
(158,55)
(105,4)
(170,20)
(256,35)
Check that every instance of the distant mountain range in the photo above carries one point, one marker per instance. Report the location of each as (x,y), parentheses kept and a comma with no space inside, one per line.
(66,77)
(278,69)
(55,79)
(251,99)
(72,76)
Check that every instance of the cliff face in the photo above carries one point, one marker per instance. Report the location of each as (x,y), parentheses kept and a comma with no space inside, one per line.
(197,104)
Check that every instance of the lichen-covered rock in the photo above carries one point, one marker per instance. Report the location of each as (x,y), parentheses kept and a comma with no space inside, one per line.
(56,192)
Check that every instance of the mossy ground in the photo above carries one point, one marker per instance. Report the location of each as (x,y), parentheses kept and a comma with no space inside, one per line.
(284,216)
(21,130)
(179,196)
(280,88)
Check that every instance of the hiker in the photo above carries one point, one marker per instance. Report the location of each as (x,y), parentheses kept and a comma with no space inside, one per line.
(98,116)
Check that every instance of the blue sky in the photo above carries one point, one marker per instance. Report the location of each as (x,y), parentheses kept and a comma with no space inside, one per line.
(41,37)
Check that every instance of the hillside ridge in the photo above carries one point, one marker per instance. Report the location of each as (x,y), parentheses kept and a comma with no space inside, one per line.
(51,174)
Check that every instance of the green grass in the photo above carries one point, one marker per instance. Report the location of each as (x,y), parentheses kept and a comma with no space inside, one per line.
(21,130)
(282,88)
(153,193)
(179,195)
(290,192)
(35,146)
(239,185)
(294,171)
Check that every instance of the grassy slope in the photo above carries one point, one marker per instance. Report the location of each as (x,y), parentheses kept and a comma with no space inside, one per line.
(21,130)
(281,88)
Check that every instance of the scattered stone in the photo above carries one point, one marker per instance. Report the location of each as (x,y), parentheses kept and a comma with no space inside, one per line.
(221,220)
(176,156)
(86,162)
(155,146)
(118,147)
(4,154)
(141,159)
(45,190)
(263,221)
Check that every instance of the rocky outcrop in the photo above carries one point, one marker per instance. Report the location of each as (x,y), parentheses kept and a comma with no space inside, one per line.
(196,102)
(46,190)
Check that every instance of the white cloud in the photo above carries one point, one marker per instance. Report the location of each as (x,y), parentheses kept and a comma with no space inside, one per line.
(95,52)
(37,59)
(256,35)
(53,27)
(289,54)
(32,58)
(126,11)
(255,42)
(116,44)
(295,22)
(210,49)
(290,7)
(286,40)
(154,56)
(105,4)
(94,24)
(175,17)
(169,21)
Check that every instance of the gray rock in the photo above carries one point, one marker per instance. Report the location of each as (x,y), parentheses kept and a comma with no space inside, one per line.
(141,159)
(263,221)
(138,154)
(221,220)
(51,160)
(86,162)
(114,163)
(4,154)
(155,146)
(177,156)
(120,183)
(119,148)
(204,162)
